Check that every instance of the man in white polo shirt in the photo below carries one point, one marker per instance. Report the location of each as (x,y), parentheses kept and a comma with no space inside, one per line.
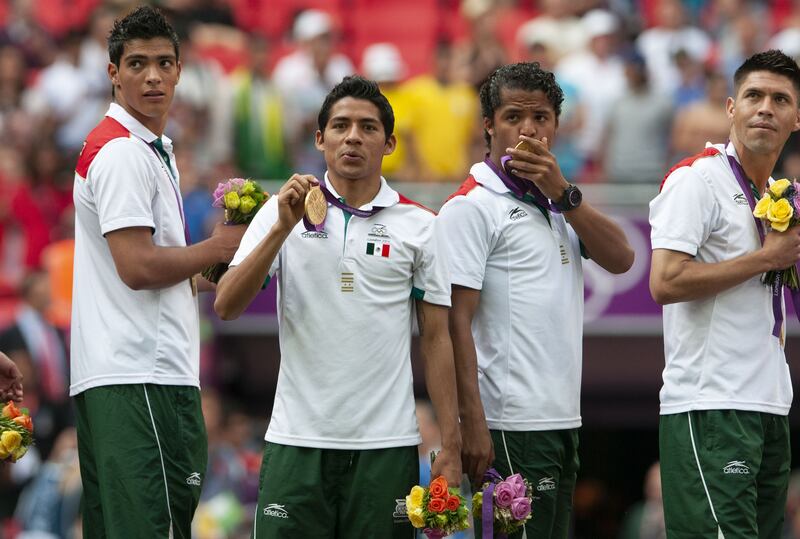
(341,449)
(724,431)
(517,282)
(134,369)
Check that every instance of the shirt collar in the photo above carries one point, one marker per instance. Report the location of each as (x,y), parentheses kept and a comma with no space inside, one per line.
(487,178)
(386,195)
(118,113)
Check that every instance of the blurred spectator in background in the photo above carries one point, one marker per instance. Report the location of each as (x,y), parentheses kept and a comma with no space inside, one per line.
(49,507)
(33,334)
(23,31)
(259,119)
(63,95)
(638,133)
(558,17)
(659,44)
(304,77)
(196,192)
(445,116)
(739,32)
(483,52)
(692,82)
(597,93)
(645,519)
(702,121)
(383,63)
(10,380)
(201,114)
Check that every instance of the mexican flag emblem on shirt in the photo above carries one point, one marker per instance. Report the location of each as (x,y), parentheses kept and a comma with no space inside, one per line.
(378,249)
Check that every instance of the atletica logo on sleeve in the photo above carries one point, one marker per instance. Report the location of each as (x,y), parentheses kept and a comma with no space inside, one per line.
(546,483)
(194,479)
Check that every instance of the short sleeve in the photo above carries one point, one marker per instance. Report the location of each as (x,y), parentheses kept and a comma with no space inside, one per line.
(682,215)
(467,233)
(123,186)
(430,280)
(257,230)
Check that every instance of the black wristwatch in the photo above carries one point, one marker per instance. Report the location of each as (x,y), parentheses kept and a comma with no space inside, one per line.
(570,200)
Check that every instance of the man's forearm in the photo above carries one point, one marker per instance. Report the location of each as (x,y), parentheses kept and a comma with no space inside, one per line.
(161,267)
(238,287)
(604,240)
(437,352)
(688,280)
(466,366)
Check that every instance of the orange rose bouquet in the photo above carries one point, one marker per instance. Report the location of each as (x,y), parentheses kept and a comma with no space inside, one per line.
(16,432)
(438,509)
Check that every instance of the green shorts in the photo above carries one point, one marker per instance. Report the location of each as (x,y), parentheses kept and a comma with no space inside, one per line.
(143,455)
(549,460)
(724,471)
(334,493)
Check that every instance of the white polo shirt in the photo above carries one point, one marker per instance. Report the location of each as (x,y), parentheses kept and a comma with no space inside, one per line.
(528,328)
(120,335)
(720,352)
(345,317)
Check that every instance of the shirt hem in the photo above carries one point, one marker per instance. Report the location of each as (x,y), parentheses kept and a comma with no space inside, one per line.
(766,408)
(460,280)
(533,425)
(334,443)
(126,222)
(116,379)
(675,245)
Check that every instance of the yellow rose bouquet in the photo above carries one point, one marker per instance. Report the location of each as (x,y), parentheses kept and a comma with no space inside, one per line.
(438,509)
(16,432)
(241,200)
(779,209)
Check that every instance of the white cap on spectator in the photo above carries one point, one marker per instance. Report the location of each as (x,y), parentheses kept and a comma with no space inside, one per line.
(787,41)
(599,22)
(539,32)
(382,62)
(312,23)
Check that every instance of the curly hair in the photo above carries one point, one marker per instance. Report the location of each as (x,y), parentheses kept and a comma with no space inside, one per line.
(144,22)
(359,88)
(527,76)
(773,61)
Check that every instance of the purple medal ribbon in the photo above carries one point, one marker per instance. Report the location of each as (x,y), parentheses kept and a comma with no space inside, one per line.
(177,197)
(777,287)
(487,511)
(334,201)
(519,186)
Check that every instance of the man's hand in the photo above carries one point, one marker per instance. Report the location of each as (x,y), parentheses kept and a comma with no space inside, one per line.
(539,166)
(292,197)
(227,239)
(782,249)
(477,450)
(448,464)
(10,380)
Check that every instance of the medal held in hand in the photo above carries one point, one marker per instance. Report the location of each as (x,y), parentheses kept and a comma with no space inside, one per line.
(316,206)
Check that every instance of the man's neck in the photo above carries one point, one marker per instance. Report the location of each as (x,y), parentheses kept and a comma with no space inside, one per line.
(356,193)
(155,125)
(757,166)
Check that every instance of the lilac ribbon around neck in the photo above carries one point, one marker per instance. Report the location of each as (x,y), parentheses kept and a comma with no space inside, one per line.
(334,201)
(777,287)
(177,196)
(519,187)
(487,511)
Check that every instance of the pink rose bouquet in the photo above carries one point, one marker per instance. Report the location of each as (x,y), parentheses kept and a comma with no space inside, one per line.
(506,503)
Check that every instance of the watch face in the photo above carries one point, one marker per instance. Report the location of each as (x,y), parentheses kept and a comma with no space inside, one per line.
(574,197)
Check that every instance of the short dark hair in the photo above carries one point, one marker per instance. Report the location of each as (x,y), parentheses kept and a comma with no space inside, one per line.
(144,22)
(358,87)
(527,76)
(773,61)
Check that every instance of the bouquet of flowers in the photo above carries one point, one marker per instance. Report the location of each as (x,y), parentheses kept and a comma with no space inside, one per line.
(241,199)
(779,208)
(504,502)
(16,432)
(439,509)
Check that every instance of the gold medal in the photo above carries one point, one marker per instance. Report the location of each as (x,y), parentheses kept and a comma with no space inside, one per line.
(316,206)
(524,145)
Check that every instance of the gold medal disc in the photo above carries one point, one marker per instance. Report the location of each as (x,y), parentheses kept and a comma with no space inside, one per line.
(316,206)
